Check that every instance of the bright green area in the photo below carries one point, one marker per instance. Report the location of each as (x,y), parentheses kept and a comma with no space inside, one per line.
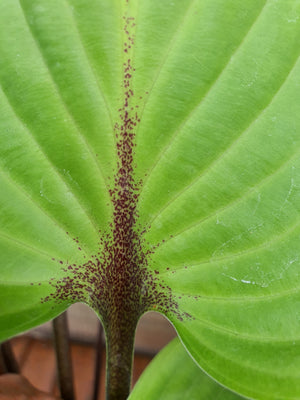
(173,375)
(217,86)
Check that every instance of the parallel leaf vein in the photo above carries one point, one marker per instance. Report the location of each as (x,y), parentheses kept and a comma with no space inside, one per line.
(238,200)
(26,245)
(60,96)
(92,70)
(57,173)
(231,146)
(203,98)
(166,55)
(244,299)
(275,240)
(14,183)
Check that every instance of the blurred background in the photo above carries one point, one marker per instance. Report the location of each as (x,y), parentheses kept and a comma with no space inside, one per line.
(34,351)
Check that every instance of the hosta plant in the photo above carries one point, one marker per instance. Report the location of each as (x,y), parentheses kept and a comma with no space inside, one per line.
(149,157)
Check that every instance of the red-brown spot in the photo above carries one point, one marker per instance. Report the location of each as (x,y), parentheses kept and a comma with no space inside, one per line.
(117,280)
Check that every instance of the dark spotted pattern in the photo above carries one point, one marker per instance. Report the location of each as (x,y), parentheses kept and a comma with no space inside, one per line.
(117,281)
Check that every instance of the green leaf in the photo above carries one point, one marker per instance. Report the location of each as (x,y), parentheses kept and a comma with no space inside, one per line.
(174,375)
(149,159)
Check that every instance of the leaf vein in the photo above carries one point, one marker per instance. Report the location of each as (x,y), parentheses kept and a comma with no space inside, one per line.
(199,104)
(231,146)
(58,174)
(60,96)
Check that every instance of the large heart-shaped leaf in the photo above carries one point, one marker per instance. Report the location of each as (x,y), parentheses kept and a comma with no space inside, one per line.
(149,161)
(173,375)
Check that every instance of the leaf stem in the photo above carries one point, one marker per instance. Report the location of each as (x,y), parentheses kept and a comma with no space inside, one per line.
(119,358)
